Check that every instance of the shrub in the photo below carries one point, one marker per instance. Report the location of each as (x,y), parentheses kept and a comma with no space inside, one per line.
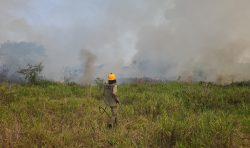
(32,72)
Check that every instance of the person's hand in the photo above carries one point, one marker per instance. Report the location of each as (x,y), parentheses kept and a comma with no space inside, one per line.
(116,98)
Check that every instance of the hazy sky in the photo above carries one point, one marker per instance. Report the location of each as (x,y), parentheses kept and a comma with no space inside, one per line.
(160,38)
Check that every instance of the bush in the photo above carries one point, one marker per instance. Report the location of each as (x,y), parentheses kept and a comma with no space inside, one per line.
(32,72)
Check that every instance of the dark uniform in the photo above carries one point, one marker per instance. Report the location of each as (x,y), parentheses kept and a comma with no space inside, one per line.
(112,101)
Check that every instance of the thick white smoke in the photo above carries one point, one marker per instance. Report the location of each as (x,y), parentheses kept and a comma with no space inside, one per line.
(198,39)
(202,40)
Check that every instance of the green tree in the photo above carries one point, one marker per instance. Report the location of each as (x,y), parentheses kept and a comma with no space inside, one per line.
(32,72)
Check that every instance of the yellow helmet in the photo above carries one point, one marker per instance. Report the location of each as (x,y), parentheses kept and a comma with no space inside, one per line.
(111,77)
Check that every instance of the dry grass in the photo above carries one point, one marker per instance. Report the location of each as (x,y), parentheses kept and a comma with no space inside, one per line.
(150,115)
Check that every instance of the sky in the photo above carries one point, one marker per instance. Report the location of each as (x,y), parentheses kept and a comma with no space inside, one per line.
(167,39)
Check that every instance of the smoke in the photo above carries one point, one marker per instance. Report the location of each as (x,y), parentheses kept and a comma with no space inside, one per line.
(202,40)
(89,60)
(167,39)
(16,55)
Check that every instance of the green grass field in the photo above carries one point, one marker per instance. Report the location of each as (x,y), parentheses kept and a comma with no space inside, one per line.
(150,115)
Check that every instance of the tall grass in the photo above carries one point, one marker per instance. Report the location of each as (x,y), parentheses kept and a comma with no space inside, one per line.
(209,129)
(150,115)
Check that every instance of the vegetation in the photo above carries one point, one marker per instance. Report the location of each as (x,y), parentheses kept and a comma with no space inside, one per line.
(32,72)
(174,114)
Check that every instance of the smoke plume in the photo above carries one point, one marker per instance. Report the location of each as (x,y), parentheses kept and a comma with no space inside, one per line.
(167,39)
(201,40)
(89,71)
(16,55)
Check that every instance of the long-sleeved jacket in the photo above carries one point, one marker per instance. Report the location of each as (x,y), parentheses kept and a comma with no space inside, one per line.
(110,97)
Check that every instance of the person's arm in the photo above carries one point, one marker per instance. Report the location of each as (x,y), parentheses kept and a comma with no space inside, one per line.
(114,93)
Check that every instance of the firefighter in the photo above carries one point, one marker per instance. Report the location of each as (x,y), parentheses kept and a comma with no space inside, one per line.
(111,99)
